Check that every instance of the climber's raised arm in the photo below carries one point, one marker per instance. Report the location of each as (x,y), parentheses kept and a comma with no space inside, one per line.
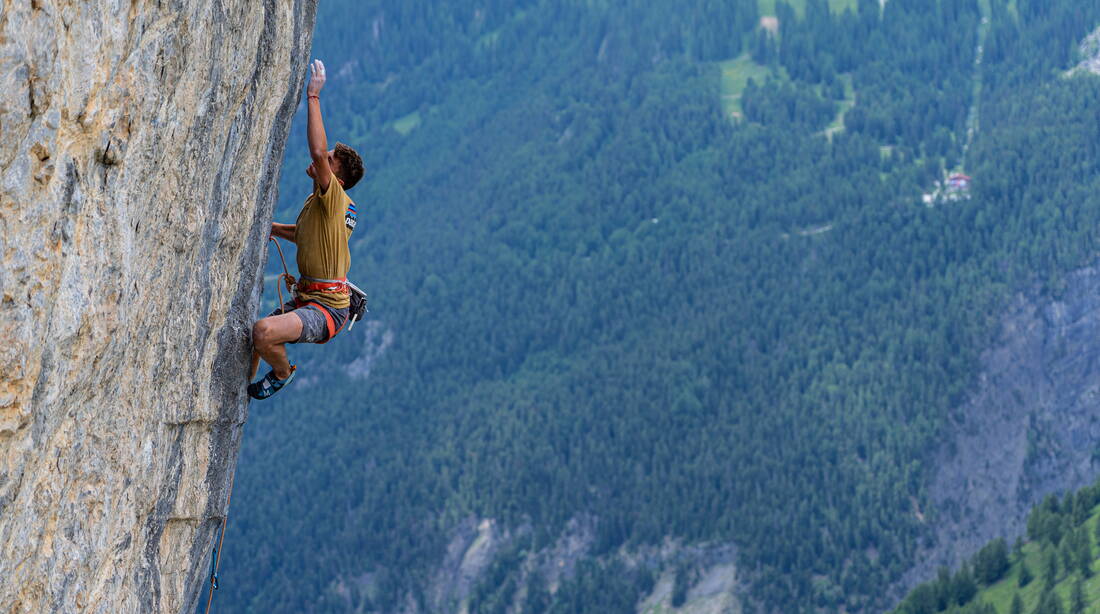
(321,169)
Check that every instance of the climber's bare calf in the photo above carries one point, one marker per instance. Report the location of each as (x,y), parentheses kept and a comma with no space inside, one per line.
(269,336)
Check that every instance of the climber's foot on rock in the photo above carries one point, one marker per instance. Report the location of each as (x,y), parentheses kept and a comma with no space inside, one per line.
(269,384)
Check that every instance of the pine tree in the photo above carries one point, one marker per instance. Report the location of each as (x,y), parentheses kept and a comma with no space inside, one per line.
(1025,576)
(1049,603)
(1081,508)
(1050,568)
(991,562)
(1083,553)
(1055,604)
(680,586)
(963,587)
(1066,552)
(538,598)
(1077,598)
(1017,605)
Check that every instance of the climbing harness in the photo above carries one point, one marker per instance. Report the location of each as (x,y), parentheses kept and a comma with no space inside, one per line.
(357,307)
(328,286)
(216,557)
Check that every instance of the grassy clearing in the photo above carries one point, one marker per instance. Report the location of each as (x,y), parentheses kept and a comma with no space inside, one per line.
(1000,594)
(487,40)
(767,7)
(408,123)
(490,38)
(972,119)
(735,75)
(845,105)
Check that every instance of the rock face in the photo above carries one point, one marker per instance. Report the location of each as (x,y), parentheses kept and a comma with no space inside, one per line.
(1031,427)
(1089,51)
(140,148)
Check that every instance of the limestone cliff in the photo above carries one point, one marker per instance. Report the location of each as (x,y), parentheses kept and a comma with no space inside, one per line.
(140,148)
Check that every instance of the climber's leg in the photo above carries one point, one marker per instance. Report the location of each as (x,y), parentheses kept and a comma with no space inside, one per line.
(269,336)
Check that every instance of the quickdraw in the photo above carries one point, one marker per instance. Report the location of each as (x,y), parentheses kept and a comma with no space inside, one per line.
(216,556)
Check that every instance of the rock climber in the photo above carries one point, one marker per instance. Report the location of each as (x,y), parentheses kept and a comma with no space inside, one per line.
(319,307)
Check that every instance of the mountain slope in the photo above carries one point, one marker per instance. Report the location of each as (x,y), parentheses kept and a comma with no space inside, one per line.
(1054,570)
(610,303)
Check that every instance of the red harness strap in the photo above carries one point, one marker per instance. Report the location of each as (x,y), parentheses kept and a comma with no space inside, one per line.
(328,286)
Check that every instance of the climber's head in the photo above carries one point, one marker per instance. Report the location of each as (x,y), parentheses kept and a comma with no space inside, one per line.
(346,165)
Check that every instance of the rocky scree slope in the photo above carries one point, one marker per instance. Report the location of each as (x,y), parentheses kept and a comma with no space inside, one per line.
(141,147)
(1030,428)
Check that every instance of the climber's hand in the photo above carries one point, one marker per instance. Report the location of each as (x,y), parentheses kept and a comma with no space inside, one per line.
(316,78)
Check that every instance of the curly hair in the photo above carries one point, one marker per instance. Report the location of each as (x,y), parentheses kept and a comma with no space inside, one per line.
(351,165)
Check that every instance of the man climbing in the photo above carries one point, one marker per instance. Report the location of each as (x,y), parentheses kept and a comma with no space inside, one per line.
(319,308)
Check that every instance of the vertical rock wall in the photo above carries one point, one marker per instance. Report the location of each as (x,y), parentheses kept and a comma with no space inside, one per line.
(140,143)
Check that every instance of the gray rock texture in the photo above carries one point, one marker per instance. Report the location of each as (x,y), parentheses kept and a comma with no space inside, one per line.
(1031,427)
(1089,50)
(140,148)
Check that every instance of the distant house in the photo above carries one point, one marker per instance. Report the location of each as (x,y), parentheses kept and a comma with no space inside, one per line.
(770,23)
(958,181)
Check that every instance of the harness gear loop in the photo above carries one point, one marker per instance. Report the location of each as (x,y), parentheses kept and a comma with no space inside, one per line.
(357,306)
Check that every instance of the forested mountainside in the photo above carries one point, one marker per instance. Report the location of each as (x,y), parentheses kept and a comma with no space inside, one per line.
(1053,571)
(662,269)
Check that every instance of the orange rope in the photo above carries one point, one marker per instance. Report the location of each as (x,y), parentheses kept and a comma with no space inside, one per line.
(285,276)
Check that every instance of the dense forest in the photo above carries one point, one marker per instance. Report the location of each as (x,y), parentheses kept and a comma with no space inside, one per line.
(1053,571)
(616,291)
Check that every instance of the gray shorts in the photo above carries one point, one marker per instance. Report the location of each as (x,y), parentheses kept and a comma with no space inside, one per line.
(314,322)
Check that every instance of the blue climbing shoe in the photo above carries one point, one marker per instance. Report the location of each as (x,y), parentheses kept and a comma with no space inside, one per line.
(269,385)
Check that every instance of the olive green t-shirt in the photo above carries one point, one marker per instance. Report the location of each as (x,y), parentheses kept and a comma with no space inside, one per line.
(322,238)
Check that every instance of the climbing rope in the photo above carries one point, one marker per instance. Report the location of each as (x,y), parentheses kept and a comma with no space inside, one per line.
(285,276)
(216,557)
